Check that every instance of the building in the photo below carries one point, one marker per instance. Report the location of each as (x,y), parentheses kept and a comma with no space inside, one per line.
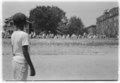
(108,23)
(9,28)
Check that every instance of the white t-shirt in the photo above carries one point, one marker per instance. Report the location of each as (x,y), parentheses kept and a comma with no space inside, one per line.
(19,39)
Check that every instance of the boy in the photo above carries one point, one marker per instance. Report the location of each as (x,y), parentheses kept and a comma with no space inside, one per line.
(20,46)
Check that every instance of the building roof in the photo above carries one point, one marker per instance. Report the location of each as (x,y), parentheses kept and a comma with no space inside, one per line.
(108,14)
(91,26)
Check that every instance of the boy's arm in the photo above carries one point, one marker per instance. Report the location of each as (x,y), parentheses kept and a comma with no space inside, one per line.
(27,57)
(12,51)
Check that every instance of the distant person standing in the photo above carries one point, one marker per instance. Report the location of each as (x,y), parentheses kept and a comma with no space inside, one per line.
(20,47)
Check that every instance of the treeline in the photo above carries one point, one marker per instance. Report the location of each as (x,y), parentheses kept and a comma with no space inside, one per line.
(53,20)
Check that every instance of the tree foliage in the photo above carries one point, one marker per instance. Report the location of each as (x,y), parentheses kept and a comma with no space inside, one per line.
(75,26)
(46,18)
(62,27)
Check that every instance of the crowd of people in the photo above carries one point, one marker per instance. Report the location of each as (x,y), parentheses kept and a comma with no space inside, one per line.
(33,35)
(45,36)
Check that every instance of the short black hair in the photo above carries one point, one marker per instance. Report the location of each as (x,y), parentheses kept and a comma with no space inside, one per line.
(19,20)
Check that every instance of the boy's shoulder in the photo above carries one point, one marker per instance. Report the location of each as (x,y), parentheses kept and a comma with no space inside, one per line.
(18,33)
(24,33)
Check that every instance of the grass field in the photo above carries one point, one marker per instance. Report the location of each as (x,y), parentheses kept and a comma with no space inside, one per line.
(69,59)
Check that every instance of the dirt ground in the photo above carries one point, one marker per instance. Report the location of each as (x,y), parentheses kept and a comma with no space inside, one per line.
(60,61)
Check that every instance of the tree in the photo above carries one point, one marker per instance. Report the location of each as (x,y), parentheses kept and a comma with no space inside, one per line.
(75,26)
(63,28)
(46,18)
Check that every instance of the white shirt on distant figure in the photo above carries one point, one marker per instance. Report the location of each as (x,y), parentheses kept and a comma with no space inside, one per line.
(19,39)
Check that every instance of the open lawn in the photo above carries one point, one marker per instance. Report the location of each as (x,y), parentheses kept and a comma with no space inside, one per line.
(68,59)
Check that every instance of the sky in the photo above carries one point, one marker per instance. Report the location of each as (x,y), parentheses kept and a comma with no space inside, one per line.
(87,11)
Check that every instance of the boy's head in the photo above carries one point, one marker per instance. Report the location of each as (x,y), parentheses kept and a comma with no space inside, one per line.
(19,20)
